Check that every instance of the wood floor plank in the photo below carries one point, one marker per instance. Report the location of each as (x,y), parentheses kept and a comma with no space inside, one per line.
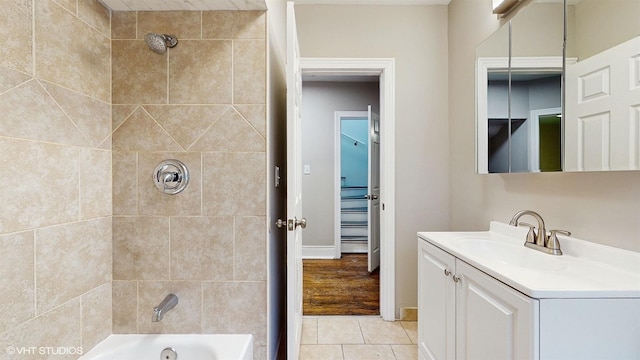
(340,287)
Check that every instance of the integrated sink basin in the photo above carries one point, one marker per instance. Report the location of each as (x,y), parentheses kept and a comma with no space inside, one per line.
(585,270)
(510,254)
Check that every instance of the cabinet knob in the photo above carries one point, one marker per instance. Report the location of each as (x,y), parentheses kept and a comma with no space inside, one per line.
(447,272)
(456,278)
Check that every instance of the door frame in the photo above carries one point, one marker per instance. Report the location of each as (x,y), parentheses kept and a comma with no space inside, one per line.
(534,135)
(384,68)
(337,173)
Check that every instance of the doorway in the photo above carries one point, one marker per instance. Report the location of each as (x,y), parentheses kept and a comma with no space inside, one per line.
(363,70)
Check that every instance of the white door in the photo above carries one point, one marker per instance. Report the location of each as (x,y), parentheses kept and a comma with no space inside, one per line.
(373,186)
(602,115)
(294,223)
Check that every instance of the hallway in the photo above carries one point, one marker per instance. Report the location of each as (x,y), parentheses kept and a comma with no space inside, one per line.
(340,287)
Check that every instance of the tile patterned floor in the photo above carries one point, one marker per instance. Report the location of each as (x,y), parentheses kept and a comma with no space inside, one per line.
(358,338)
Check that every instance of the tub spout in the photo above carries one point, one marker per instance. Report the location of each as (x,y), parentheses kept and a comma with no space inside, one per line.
(169,302)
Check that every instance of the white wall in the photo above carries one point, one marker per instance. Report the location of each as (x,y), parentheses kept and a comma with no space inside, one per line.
(320,100)
(416,36)
(601,207)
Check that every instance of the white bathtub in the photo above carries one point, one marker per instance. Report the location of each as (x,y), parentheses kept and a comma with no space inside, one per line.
(188,347)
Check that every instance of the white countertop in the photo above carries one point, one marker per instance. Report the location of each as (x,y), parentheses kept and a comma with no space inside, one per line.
(585,270)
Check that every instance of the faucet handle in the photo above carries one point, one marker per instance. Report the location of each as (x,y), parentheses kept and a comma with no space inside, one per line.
(553,243)
(561,232)
(531,235)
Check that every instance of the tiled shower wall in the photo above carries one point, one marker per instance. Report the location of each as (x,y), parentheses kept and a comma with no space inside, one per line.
(55,161)
(203,102)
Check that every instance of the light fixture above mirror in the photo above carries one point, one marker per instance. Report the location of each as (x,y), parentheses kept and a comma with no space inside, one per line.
(502,7)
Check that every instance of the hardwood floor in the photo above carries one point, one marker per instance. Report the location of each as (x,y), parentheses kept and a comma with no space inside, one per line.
(340,287)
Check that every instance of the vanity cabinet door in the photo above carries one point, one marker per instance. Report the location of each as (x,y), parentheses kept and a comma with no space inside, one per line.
(493,321)
(436,303)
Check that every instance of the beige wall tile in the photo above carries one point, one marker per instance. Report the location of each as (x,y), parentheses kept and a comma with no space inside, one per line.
(28,112)
(120,113)
(96,315)
(153,202)
(185,318)
(233,24)
(139,74)
(200,72)
(125,183)
(186,123)
(106,144)
(16,35)
(182,24)
(235,184)
(141,133)
(10,78)
(69,5)
(17,286)
(36,170)
(202,248)
(256,115)
(76,56)
(259,352)
(64,254)
(231,133)
(140,248)
(95,183)
(249,72)
(57,328)
(250,248)
(125,307)
(123,24)
(92,117)
(96,15)
(235,308)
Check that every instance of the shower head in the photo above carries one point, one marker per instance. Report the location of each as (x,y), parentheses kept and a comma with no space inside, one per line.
(159,43)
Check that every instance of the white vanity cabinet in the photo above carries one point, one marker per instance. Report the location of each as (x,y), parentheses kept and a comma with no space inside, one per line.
(464,313)
(483,295)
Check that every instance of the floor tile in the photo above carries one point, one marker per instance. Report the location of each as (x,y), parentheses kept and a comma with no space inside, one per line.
(411,328)
(368,352)
(321,352)
(309,331)
(405,352)
(378,331)
(339,330)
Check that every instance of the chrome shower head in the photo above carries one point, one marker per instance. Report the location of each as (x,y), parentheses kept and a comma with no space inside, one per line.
(159,43)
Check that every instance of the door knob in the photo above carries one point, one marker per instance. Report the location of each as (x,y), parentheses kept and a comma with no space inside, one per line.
(302,223)
(292,223)
(371,197)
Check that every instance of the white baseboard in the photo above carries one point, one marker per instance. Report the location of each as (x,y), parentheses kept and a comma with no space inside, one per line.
(354,248)
(318,252)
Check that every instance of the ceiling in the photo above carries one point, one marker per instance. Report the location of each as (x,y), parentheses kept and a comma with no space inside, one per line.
(160,5)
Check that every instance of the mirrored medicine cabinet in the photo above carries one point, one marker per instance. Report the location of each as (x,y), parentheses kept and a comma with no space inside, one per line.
(544,107)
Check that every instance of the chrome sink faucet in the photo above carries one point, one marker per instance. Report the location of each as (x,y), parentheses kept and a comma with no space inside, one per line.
(169,302)
(539,240)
